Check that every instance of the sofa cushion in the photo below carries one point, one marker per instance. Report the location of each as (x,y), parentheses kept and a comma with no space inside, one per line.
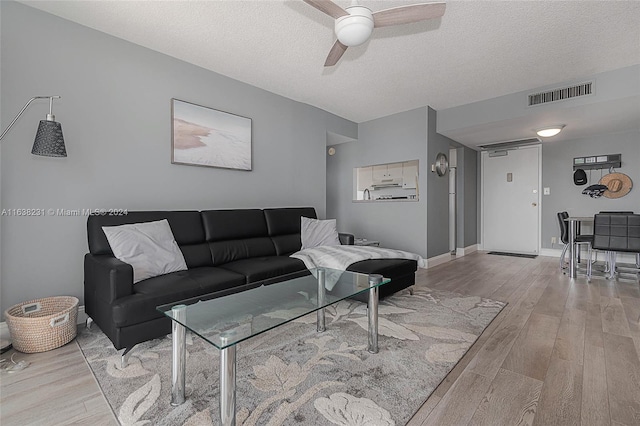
(223,252)
(387,267)
(149,248)
(186,227)
(315,233)
(236,235)
(400,271)
(262,268)
(171,288)
(222,225)
(284,227)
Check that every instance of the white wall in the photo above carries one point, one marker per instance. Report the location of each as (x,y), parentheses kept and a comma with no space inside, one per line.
(115,113)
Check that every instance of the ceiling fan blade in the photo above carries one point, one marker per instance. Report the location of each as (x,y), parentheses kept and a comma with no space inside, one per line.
(335,54)
(408,14)
(328,7)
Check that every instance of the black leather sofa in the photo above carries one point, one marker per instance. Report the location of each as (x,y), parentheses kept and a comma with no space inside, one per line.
(226,251)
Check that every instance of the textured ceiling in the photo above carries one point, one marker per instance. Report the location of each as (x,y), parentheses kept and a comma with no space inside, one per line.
(477,50)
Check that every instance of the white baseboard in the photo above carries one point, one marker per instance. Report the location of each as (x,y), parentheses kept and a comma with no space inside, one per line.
(4,328)
(550,252)
(4,331)
(82,317)
(466,250)
(438,260)
(620,258)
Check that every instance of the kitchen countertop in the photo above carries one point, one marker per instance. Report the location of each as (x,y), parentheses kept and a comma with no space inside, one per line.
(402,200)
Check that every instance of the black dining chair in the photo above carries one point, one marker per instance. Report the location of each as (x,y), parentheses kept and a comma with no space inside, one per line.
(580,240)
(617,232)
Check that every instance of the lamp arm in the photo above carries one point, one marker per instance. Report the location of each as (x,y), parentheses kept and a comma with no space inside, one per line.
(24,108)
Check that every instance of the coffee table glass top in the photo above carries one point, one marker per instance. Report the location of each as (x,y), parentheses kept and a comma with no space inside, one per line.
(228,320)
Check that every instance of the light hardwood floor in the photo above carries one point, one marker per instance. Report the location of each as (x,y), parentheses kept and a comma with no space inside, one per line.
(562,352)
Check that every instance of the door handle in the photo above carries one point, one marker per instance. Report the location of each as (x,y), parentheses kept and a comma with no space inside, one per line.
(534,204)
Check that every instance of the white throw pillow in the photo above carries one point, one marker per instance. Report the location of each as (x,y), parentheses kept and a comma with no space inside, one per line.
(314,233)
(148,247)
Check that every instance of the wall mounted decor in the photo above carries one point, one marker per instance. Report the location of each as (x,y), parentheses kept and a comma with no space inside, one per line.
(441,165)
(202,136)
(618,185)
(596,162)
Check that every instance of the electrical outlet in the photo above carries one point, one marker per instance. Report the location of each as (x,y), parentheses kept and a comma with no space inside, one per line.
(553,240)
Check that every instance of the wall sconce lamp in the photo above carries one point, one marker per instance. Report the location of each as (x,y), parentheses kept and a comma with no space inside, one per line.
(49,141)
(547,132)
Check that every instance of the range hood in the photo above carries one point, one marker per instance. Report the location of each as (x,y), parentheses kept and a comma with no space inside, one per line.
(387,183)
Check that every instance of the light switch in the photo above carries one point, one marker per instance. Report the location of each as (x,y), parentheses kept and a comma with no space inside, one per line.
(547,191)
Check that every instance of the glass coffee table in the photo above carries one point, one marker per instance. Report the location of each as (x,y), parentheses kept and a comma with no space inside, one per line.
(229,320)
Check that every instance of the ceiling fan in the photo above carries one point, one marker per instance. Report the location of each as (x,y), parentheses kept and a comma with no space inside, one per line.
(354,24)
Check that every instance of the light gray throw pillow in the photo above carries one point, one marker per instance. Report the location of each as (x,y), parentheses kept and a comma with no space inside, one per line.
(314,233)
(148,247)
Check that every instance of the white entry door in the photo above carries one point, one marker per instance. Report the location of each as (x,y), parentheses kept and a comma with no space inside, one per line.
(511,200)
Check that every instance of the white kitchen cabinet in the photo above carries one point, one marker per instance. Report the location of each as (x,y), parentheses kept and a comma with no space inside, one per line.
(394,170)
(379,172)
(387,171)
(410,174)
(365,178)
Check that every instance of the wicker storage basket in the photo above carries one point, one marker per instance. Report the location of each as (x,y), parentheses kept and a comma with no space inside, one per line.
(42,324)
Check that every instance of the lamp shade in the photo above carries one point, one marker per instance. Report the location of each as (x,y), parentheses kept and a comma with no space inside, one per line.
(49,141)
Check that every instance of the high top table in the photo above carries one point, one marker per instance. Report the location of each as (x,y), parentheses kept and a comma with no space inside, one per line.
(228,320)
(573,232)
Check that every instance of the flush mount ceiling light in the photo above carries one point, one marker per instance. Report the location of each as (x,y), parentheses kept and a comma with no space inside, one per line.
(547,132)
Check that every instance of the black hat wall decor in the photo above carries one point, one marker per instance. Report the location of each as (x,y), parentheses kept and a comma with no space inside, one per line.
(580,177)
(594,191)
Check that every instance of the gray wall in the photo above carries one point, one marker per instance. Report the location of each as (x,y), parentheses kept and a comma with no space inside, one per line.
(115,114)
(467,197)
(401,225)
(470,197)
(437,191)
(557,174)
(420,227)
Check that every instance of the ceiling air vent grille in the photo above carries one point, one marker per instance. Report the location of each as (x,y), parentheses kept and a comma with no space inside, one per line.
(561,94)
(509,144)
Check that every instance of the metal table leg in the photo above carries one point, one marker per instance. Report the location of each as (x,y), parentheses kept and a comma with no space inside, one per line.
(321,301)
(612,265)
(372,311)
(228,386)
(573,225)
(178,364)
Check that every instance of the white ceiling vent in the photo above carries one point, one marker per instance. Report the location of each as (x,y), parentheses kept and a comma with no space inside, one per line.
(561,94)
(509,144)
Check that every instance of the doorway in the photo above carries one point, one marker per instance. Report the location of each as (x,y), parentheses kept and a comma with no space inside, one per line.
(511,181)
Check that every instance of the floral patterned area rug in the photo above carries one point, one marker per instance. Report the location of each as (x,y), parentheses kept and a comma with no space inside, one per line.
(293,375)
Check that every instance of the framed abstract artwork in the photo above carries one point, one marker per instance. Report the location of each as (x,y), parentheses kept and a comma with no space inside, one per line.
(202,136)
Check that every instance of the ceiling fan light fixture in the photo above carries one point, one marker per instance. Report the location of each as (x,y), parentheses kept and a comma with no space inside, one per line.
(356,28)
(550,131)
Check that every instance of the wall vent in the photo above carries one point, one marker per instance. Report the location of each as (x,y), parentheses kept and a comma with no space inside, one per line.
(509,144)
(561,94)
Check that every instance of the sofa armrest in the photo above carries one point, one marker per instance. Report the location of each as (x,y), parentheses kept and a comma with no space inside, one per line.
(346,239)
(107,278)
